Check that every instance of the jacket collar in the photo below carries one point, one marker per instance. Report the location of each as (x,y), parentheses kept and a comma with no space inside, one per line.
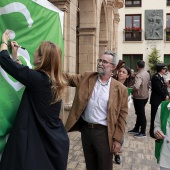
(113,92)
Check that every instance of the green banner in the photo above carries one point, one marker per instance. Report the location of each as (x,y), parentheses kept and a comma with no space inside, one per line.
(129,91)
(29,24)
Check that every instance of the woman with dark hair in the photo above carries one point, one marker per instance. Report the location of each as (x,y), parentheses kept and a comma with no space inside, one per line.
(38,139)
(120,64)
(123,76)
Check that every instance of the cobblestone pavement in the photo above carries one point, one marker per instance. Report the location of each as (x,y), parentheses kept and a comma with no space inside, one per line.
(137,154)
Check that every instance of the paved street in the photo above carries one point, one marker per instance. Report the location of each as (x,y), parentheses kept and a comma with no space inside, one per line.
(137,154)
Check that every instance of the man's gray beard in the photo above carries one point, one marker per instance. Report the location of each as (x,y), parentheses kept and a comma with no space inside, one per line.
(101,71)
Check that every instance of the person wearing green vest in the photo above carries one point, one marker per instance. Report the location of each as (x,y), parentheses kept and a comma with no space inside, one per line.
(162,134)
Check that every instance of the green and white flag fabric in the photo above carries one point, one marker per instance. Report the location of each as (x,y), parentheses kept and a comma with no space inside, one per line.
(30,22)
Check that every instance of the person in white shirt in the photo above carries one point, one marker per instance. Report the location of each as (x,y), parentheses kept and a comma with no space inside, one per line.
(162,133)
(99,111)
(166,77)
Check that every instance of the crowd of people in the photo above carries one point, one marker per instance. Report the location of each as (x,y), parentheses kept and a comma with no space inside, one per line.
(38,138)
(159,84)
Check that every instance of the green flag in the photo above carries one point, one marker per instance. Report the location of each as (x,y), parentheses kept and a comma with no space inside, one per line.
(164,115)
(129,91)
(29,22)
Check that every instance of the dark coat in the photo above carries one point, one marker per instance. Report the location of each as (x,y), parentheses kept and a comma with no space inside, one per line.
(159,90)
(38,140)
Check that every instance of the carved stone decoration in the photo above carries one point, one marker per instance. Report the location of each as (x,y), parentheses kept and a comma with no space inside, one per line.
(119,3)
(153,24)
(116,18)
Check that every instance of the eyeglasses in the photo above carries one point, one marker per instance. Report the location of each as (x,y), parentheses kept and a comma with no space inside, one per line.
(103,61)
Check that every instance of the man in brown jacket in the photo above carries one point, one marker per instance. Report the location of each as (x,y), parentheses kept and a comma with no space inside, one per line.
(99,111)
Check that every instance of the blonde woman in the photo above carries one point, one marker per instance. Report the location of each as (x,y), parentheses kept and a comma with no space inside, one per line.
(38,139)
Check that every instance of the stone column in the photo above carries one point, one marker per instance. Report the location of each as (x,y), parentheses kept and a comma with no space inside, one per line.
(87,58)
(110,25)
(115,33)
(102,47)
(64,5)
(117,4)
(87,36)
(70,22)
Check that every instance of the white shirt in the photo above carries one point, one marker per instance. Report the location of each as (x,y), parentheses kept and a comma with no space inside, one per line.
(165,152)
(97,107)
(166,77)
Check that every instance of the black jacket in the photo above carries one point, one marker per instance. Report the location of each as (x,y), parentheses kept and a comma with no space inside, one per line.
(159,89)
(38,140)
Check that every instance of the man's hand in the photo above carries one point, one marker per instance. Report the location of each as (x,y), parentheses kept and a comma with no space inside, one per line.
(116,147)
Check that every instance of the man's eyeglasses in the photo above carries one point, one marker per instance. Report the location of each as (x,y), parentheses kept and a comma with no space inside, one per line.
(103,61)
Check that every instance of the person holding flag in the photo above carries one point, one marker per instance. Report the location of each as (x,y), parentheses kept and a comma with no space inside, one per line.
(31,29)
(38,139)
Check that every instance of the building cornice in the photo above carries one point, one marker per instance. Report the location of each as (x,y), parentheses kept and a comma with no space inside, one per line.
(61,4)
(86,31)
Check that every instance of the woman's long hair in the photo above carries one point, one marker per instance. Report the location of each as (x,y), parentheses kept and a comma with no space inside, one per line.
(51,64)
(120,64)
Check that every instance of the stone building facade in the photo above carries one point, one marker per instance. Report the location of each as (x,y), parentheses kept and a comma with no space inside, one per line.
(151,19)
(90,28)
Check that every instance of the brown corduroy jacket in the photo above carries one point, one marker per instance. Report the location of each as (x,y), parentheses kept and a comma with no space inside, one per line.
(117,104)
